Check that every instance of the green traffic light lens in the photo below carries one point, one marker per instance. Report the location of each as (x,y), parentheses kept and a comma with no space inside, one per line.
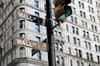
(68,12)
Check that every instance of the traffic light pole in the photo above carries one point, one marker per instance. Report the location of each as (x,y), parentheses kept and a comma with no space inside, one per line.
(50,32)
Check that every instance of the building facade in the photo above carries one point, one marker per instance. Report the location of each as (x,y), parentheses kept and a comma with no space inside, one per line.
(23,34)
(81,33)
(22,38)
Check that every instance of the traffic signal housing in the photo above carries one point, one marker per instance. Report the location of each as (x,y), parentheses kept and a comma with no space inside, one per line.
(62,10)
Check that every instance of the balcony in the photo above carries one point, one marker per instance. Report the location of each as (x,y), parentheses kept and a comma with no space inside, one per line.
(27,61)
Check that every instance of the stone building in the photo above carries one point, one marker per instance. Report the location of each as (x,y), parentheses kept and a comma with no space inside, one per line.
(23,34)
(22,38)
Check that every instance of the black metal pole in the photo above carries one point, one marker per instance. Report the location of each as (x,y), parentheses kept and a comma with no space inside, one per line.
(50,33)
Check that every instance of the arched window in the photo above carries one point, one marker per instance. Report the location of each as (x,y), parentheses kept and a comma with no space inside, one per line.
(57,60)
(62,61)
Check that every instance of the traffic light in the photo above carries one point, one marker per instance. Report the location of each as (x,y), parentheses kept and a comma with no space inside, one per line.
(62,10)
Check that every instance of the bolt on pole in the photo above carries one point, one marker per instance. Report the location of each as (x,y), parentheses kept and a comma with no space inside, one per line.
(50,32)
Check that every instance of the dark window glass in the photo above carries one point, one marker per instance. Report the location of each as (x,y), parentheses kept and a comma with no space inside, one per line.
(22,35)
(22,24)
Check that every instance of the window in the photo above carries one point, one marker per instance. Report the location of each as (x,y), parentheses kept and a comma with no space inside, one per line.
(94,28)
(74,39)
(86,34)
(75,30)
(74,19)
(87,55)
(56,45)
(36,54)
(91,9)
(98,58)
(96,48)
(77,41)
(92,18)
(57,60)
(82,64)
(89,44)
(56,32)
(67,27)
(22,35)
(62,61)
(89,65)
(78,63)
(60,34)
(13,28)
(37,22)
(84,24)
(69,50)
(68,38)
(61,46)
(90,1)
(22,9)
(76,50)
(12,42)
(74,10)
(91,57)
(99,48)
(22,51)
(78,53)
(36,3)
(37,27)
(71,63)
(81,5)
(96,38)
(83,14)
(21,1)
(22,23)
(98,4)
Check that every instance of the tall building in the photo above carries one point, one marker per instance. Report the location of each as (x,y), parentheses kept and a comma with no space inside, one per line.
(23,34)
(81,32)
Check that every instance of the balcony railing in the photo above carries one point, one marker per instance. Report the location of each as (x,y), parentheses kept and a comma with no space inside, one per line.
(27,60)
(30,43)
